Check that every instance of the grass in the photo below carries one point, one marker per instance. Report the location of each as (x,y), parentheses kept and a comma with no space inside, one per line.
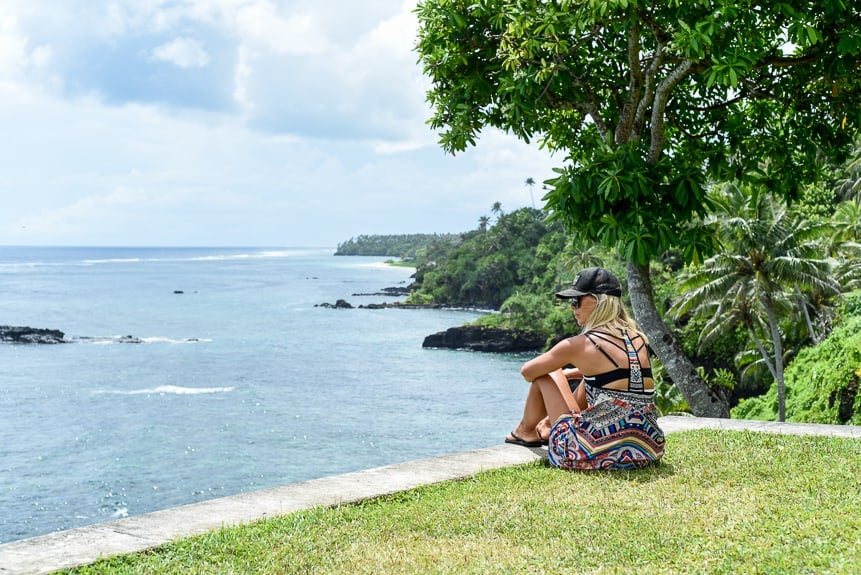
(721,502)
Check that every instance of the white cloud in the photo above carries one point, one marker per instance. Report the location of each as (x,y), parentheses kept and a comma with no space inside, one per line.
(19,62)
(262,26)
(322,136)
(241,74)
(182,52)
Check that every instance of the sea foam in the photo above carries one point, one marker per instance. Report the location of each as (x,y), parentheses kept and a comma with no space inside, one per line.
(173,390)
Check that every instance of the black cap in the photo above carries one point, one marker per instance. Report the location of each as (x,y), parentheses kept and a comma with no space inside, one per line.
(593,280)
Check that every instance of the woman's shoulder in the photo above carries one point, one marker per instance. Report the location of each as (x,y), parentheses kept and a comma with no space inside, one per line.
(570,344)
(578,344)
(616,333)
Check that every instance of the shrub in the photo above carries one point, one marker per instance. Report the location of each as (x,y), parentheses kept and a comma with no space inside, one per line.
(822,381)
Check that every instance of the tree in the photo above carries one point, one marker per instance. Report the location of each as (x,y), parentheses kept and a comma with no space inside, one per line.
(496,209)
(849,184)
(769,256)
(486,267)
(530,181)
(648,103)
(846,243)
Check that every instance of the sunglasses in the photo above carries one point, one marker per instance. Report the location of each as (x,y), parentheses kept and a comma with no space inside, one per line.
(575,301)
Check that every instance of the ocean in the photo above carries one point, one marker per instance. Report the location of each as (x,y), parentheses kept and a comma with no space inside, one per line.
(239,380)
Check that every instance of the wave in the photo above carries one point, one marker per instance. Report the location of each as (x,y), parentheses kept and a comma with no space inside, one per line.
(111,339)
(173,390)
(173,340)
(53,257)
(237,254)
(115,261)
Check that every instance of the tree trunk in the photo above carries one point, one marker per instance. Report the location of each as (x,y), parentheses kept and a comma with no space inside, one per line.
(703,401)
(778,362)
(802,303)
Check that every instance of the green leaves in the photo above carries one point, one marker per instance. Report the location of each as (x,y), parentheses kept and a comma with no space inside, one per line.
(694,41)
(648,100)
(729,70)
(614,197)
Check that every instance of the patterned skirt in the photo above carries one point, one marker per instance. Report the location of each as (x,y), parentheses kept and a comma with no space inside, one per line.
(611,434)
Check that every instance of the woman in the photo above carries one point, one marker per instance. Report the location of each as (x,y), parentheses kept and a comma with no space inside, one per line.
(609,421)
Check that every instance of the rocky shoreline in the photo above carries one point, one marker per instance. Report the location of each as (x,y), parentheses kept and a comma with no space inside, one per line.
(24,334)
(466,337)
(485,339)
(33,335)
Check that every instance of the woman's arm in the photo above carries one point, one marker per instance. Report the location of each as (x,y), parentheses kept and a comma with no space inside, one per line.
(548,362)
(572,373)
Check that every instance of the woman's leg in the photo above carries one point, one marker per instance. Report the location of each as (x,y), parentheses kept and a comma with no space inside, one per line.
(548,397)
(533,412)
(557,395)
(543,427)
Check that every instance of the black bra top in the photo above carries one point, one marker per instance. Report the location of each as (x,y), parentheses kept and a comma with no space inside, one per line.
(608,377)
(602,379)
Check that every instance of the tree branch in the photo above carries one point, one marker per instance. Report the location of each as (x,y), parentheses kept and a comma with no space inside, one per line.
(635,84)
(649,89)
(662,94)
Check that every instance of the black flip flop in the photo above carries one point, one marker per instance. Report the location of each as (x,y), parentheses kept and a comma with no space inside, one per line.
(522,442)
(544,440)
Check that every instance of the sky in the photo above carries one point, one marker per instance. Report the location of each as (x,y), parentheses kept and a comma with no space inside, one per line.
(232,123)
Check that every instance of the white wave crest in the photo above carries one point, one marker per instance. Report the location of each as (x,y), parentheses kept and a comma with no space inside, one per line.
(111,261)
(157,339)
(111,339)
(174,390)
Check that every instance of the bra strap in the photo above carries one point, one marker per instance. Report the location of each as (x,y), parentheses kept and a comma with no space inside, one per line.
(598,346)
(635,379)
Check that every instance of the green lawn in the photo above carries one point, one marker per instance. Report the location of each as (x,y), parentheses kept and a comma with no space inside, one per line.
(721,502)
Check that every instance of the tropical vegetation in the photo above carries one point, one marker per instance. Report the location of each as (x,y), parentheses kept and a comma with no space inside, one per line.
(649,104)
(742,316)
(770,256)
(401,246)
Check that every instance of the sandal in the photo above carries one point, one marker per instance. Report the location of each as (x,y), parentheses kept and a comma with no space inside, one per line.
(515,440)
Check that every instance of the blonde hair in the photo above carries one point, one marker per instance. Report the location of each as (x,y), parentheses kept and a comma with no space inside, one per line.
(610,313)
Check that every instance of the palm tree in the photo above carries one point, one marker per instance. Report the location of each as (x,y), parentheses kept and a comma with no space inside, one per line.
(849,185)
(768,251)
(530,181)
(846,244)
(580,254)
(846,222)
(496,208)
(482,223)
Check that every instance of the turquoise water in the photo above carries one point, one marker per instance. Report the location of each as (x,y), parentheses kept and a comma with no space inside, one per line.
(241,383)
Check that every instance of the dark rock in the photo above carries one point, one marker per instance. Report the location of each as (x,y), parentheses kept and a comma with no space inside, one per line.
(15,334)
(340,304)
(488,339)
(400,305)
(389,291)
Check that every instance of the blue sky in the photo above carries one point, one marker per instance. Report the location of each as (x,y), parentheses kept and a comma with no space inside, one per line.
(231,122)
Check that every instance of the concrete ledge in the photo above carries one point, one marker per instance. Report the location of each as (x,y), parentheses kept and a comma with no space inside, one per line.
(84,545)
(673,423)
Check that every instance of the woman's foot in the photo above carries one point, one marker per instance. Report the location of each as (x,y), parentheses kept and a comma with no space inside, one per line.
(516,439)
(524,435)
(543,430)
